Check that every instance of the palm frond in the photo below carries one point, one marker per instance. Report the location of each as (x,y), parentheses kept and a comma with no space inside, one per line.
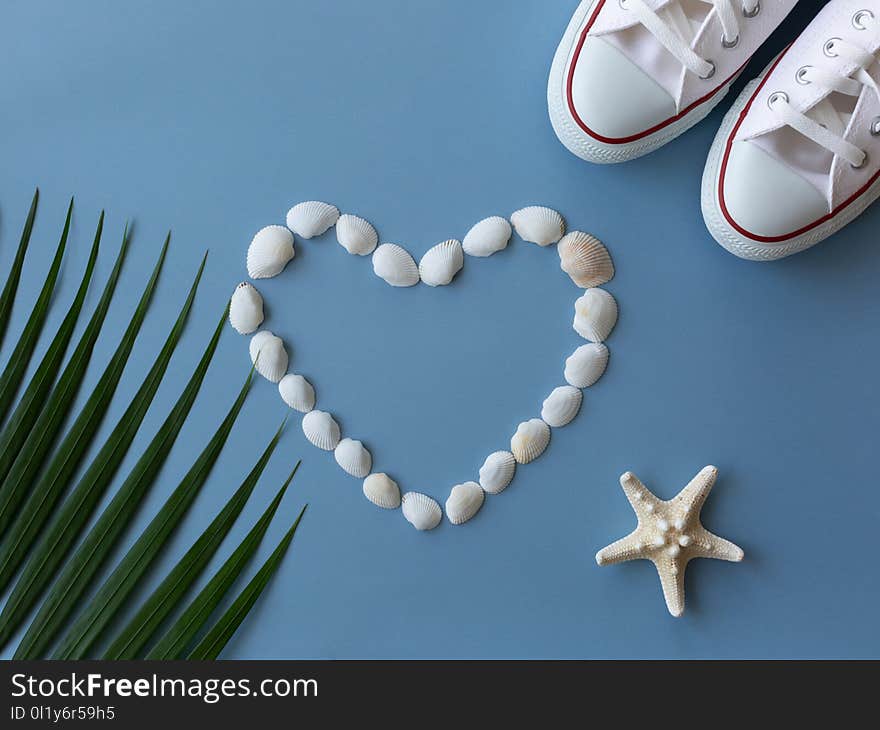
(221,632)
(7,296)
(21,355)
(181,633)
(77,573)
(111,596)
(137,632)
(29,460)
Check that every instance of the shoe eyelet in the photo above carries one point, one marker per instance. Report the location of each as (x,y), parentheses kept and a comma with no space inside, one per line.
(875,127)
(801,75)
(828,48)
(858,20)
(864,162)
(730,44)
(753,13)
(622,4)
(776,96)
(711,71)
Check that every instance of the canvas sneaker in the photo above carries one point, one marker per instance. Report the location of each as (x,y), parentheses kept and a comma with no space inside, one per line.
(631,75)
(798,155)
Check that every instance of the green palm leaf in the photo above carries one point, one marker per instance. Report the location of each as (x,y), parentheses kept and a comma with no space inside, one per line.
(45,495)
(111,596)
(134,636)
(77,574)
(175,641)
(27,462)
(219,635)
(21,355)
(34,397)
(7,297)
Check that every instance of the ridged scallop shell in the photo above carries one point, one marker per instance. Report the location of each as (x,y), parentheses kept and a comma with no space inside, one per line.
(585,259)
(561,406)
(441,263)
(356,235)
(273,360)
(353,457)
(421,511)
(464,502)
(382,491)
(311,218)
(321,430)
(537,224)
(394,264)
(595,314)
(530,440)
(586,364)
(297,392)
(245,309)
(487,237)
(497,471)
(269,252)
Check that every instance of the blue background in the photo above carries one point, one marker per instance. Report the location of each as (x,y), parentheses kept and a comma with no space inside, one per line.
(213,118)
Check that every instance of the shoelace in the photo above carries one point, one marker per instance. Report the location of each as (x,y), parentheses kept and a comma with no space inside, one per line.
(829,131)
(672,29)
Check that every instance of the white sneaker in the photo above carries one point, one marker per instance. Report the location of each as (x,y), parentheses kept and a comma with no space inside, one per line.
(631,75)
(798,155)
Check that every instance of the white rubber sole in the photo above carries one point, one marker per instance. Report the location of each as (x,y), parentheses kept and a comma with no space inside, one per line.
(575,139)
(749,248)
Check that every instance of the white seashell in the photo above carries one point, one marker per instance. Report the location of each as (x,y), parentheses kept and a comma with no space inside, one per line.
(421,511)
(585,259)
(561,406)
(595,314)
(311,218)
(394,264)
(356,235)
(487,237)
(321,430)
(586,364)
(269,252)
(497,471)
(382,491)
(441,263)
(464,502)
(297,392)
(245,309)
(353,457)
(538,225)
(272,363)
(530,440)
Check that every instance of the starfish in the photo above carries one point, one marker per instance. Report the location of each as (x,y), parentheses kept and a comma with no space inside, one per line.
(669,534)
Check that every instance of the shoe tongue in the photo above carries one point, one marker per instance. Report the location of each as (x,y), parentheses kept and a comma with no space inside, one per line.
(686,17)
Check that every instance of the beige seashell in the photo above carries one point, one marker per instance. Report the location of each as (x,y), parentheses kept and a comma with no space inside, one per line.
(321,430)
(441,263)
(311,218)
(245,309)
(269,252)
(382,491)
(297,392)
(595,314)
(586,365)
(353,457)
(464,502)
(585,259)
(356,235)
(537,224)
(487,237)
(561,406)
(273,360)
(530,440)
(421,511)
(394,264)
(497,471)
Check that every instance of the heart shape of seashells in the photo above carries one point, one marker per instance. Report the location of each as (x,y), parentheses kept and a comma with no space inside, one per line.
(582,256)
